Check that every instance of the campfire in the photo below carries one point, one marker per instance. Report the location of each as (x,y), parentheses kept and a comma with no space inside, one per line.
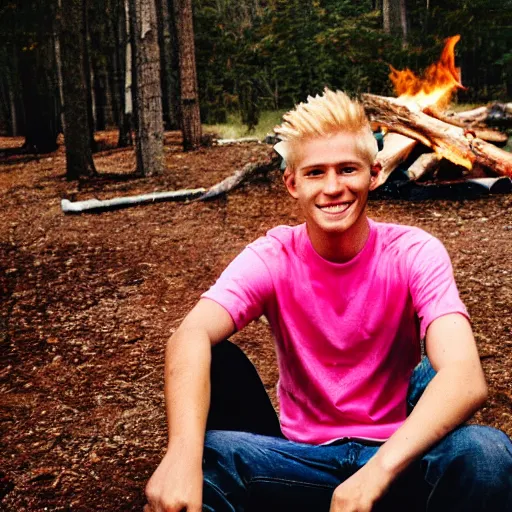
(447,147)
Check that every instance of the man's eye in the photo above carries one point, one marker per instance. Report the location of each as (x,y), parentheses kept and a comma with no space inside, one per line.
(348,170)
(314,172)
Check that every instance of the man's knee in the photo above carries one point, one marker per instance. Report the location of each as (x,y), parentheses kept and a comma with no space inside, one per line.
(485,448)
(487,454)
(227,455)
(475,457)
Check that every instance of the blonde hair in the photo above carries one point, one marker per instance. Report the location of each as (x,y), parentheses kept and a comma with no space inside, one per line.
(322,116)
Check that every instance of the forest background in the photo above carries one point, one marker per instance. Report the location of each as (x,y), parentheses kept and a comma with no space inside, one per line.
(251,55)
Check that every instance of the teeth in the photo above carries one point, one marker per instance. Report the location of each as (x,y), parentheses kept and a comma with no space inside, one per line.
(338,208)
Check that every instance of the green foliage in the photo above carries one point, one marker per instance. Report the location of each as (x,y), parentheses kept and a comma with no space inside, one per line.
(234,128)
(255,55)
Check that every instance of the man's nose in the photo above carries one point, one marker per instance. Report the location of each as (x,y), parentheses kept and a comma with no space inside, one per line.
(333,183)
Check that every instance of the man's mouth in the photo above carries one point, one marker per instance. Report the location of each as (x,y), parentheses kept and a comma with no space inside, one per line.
(335,207)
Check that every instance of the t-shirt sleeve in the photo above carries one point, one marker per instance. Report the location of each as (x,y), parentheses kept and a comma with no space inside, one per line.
(244,288)
(432,284)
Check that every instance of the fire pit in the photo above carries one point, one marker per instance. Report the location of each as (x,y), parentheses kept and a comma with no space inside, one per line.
(429,152)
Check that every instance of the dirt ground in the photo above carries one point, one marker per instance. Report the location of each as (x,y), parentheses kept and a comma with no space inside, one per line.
(88,302)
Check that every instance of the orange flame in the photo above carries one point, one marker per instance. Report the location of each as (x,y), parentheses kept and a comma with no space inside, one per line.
(438,83)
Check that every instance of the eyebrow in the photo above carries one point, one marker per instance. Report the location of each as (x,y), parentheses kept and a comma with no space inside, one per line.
(344,162)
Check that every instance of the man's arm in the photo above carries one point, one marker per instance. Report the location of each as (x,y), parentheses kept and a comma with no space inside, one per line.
(454,394)
(177,482)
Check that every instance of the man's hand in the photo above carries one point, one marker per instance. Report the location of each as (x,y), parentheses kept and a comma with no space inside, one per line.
(176,486)
(362,490)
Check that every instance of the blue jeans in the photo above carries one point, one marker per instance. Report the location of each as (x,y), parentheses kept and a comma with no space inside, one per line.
(468,470)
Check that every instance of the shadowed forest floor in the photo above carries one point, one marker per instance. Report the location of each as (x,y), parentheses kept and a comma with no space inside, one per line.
(88,302)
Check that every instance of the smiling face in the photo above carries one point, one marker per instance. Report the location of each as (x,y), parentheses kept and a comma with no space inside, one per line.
(331,180)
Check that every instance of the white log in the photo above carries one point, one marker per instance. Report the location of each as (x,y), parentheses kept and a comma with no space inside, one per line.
(120,202)
(222,142)
(500,185)
(423,164)
(475,114)
(396,149)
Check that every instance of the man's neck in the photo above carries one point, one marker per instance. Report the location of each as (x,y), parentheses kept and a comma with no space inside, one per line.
(340,247)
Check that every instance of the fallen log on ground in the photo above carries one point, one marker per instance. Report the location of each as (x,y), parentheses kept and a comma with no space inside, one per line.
(196,194)
(236,179)
(451,142)
(95,205)
(224,142)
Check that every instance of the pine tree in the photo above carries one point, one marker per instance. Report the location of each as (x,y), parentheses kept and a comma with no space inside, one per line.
(149,127)
(79,160)
(190,116)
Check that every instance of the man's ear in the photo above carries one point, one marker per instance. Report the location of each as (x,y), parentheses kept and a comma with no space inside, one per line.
(375,170)
(289,182)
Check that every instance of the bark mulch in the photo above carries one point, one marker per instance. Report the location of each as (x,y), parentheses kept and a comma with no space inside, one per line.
(88,302)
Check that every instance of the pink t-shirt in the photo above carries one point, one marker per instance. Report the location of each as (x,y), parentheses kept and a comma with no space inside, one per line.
(347,334)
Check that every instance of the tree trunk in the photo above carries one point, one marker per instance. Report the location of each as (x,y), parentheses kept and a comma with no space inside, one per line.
(150,130)
(79,160)
(109,107)
(58,61)
(164,41)
(123,79)
(99,95)
(13,121)
(394,16)
(5,115)
(113,89)
(36,80)
(15,96)
(91,104)
(131,66)
(191,120)
(403,20)
(112,61)
(175,106)
(91,85)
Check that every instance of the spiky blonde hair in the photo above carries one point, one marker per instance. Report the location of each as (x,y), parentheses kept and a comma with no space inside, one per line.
(321,116)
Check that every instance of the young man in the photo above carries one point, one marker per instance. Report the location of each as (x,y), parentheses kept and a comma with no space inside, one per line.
(348,300)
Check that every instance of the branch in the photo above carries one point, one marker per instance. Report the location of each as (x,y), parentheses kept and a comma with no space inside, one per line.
(236,179)
(95,206)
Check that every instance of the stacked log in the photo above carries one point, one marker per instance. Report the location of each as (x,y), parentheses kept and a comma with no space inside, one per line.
(456,138)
